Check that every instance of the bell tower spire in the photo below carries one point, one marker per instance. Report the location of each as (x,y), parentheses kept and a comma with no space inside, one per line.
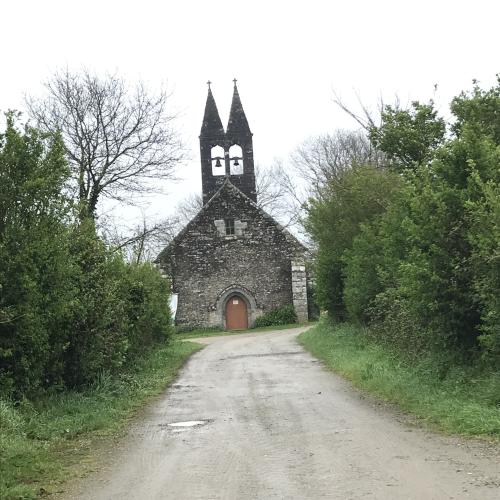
(238,123)
(212,124)
(212,147)
(240,144)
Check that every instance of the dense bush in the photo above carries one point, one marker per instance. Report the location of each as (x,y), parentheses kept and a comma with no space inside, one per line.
(280,316)
(423,268)
(334,219)
(70,308)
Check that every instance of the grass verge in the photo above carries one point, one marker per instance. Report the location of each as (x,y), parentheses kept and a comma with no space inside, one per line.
(44,442)
(463,400)
(218,333)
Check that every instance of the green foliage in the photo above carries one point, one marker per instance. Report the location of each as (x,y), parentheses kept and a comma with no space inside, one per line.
(478,110)
(34,270)
(461,399)
(334,220)
(362,283)
(409,136)
(281,316)
(70,308)
(484,237)
(424,271)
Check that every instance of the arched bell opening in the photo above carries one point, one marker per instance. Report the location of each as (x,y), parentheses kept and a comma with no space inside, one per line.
(217,159)
(236,160)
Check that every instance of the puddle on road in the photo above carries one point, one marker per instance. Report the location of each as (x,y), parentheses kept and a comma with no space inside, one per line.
(189,423)
(184,425)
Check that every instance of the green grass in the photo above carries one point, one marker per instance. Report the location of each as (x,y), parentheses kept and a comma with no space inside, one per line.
(458,400)
(44,442)
(217,333)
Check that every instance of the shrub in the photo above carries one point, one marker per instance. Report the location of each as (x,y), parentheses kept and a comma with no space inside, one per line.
(71,309)
(149,319)
(280,316)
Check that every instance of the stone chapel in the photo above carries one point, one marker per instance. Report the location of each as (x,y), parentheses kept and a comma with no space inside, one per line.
(233,261)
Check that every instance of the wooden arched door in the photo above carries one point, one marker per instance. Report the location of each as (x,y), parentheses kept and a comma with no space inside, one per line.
(236,313)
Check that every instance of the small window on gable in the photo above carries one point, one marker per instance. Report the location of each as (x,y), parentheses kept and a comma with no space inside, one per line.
(217,157)
(229,223)
(236,160)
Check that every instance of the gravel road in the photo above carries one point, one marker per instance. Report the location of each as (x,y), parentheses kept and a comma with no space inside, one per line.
(256,417)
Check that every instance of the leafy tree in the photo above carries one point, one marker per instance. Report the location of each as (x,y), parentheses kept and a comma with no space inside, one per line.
(408,136)
(34,266)
(426,270)
(478,109)
(334,220)
(484,214)
(122,309)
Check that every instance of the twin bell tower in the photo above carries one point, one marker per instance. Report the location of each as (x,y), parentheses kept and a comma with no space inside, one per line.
(226,154)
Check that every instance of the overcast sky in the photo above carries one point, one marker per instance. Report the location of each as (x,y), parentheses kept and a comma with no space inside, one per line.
(288,56)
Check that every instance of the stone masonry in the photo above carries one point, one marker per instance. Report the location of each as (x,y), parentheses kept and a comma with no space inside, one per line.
(299,290)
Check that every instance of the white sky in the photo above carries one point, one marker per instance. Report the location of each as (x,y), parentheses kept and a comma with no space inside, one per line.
(288,57)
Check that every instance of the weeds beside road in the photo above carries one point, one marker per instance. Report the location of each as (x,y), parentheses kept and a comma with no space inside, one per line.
(214,332)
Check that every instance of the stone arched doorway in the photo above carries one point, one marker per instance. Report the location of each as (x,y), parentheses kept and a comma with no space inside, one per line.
(236,313)
(223,302)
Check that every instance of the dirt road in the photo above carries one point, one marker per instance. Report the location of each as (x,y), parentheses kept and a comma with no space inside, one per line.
(254,416)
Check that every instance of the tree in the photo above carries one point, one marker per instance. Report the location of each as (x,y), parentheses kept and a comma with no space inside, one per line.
(324,159)
(408,137)
(70,308)
(143,242)
(35,268)
(335,218)
(116,138)
(427,271)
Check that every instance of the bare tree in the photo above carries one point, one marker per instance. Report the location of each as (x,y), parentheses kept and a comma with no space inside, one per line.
(325,158)
(144,241)
(316,163)
(116,138)
(366,118)
(188,208)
